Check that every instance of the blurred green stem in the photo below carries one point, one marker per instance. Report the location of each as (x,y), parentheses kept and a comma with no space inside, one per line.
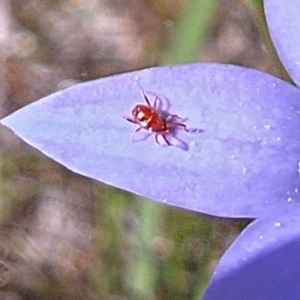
(144,273)
(191,31)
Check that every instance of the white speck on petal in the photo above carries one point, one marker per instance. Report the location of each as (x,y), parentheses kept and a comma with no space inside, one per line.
(268,127)
(298,169)
(277,224)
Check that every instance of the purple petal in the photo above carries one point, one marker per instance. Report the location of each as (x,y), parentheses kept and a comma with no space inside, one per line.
(284,25)
(264,261)
(243,162)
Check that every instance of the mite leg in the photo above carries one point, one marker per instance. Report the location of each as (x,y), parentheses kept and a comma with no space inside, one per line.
(175,117)
(157,103)
(166,140)
(146,99)
(130,120)
(134,133)
(156,139)
(183,126)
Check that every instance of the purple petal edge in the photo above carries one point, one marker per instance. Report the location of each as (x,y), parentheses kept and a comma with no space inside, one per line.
(263,263)
(284,26)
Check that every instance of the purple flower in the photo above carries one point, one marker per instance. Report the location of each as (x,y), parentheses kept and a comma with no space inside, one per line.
(243,163)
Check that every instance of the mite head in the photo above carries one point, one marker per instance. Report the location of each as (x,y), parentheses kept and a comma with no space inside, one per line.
(142,114)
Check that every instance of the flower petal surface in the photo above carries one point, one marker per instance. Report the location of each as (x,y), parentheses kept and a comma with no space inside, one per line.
(243,162)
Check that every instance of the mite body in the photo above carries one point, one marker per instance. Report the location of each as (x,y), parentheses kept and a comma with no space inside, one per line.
(153,119)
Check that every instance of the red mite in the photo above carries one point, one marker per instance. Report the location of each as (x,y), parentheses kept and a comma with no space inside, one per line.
(151,118)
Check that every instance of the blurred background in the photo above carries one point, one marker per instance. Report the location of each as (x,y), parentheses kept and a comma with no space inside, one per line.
(63,236)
